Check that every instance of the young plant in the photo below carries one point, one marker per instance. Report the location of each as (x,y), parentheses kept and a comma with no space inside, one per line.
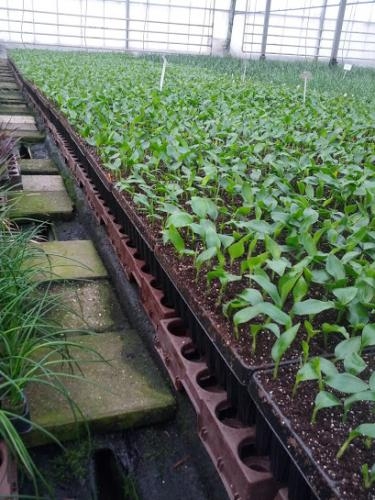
(365,431)
(368,475)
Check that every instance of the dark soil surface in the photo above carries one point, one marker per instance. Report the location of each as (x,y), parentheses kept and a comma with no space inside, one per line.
(324,438)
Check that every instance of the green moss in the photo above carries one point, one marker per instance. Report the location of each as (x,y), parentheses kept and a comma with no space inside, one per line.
(72,462)
(122,389)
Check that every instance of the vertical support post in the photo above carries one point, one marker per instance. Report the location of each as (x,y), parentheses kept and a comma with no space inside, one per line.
(58,23)
(337,35)
(265,29)
(231,12)
(320,29)
(127,15)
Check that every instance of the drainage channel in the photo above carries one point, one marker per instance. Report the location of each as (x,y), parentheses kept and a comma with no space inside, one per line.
(138,449)
(227,418)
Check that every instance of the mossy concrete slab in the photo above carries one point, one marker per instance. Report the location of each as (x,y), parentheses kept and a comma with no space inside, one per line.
(88,306)
(43,205)
(34,166)
(27,135)
(20,109)
(18,122)
(43,183)
(67,260)
(9,85)
(11,94)
(19,130)
(123,392)
(17,119)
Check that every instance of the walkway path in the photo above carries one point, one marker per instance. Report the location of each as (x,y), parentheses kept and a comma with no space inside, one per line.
(123,388)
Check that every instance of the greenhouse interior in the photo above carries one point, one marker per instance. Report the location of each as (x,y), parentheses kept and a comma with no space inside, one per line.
(187,256)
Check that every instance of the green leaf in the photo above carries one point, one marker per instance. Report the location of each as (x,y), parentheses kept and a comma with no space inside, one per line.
(272,327)
(372,381)
(226,240)
(354,364)
(286,283)
(206,255)
(364,430)
(204,206)
(312,306)
(359,396)
(278,265)
(258,148)
(256,261)
(247,192)
(327,367)
(308,243)
(368,335)
(260,226)
(347,347)
(282,344)
(171,234)
(211,238)
(323,400)
(328,328)
(215,274)
(345,295)
(249,313)
(367,430)
(266,284)
(251,295)
(320,276)
(300,289)
(272,247)
(236,250)
(179,219)
(358,314)
(335,267)
(307,372)
(346,383)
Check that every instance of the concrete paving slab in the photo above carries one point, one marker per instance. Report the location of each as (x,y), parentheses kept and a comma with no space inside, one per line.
(126,391)
(16,109)
(33,166)
(8,85)
(11,93)
(19,129)
(88,306)
(67,260)
(42,205)
(28,135)
(43,183)
(17,119)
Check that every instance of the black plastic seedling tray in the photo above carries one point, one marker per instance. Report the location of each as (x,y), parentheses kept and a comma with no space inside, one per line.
(291,460)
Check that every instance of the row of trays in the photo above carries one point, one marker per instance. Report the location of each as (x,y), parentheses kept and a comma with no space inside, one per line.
(253,444)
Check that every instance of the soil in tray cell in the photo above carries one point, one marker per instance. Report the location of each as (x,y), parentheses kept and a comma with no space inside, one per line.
(324,438)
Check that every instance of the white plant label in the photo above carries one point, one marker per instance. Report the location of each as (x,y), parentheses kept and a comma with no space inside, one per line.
(162,74)
(244,72)
(348,67)
(305,76)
